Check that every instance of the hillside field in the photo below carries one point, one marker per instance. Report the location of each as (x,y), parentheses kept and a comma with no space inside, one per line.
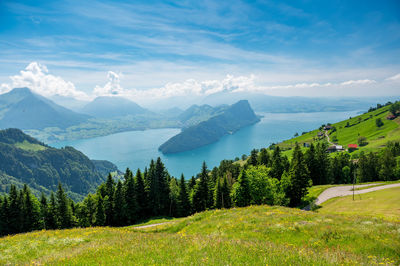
(361,125)
(256,235)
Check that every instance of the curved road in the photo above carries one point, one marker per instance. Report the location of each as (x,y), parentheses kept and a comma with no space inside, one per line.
(341,191)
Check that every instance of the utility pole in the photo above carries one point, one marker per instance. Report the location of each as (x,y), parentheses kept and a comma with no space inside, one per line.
(354,180)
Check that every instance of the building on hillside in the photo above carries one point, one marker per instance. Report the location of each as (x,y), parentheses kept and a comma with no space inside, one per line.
(306,145)
(390,117)
(328,127)
(320,134)
(334,148)
(352,147)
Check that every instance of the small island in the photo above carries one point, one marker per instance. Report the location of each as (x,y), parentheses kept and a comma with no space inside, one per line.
(232,119)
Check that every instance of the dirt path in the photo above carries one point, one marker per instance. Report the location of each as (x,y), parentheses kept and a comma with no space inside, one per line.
(149,225)
(341,191)
(327,136)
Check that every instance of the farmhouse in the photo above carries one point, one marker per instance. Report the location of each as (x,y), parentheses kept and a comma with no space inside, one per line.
(334,148)
(328,127)
(352,147)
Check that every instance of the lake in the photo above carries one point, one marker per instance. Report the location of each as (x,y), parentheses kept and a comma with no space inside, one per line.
(135,149)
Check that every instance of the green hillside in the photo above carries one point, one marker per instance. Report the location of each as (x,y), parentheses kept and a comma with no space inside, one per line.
(24,159)
(348,131)
(256,235)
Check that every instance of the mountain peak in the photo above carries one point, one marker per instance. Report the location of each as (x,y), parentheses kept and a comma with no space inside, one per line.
(23,91)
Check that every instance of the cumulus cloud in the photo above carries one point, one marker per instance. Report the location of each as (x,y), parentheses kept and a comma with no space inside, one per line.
(37,78)
(112,87)
(394,78)
(188,87)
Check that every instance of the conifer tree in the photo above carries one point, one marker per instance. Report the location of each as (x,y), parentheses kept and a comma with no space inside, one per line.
(14,213)
(52,222)
(141,195)
(263,157)
(387,165)
(130,200)
(200,193)
(225,193)
(31,211)
(277,166)
(64,213)
(44,211)
(253,157)
(183,199)
(119,205)
(299,178)
(241,192)
(173,197)
(312,164)
(100,215)
(4,217)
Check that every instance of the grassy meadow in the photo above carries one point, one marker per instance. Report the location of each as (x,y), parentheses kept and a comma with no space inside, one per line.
(361,125)
(256,235)
(384,204)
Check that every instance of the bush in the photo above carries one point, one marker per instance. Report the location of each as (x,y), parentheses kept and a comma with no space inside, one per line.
(378,122)
(362,141)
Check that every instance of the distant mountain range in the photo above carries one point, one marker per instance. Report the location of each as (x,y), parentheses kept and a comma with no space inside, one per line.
(24,159)
(21,108)
(113,107)
(228,119)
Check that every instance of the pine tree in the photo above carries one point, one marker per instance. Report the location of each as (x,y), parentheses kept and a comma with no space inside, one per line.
(64,213)
(4,217)
(218,202)
(100,214)
(183,199)
(388,165)
(173,197)
(253,157)
(263,157)
(200,193)
(241,192)
(299,178)
(108,205)
(52,222)
(130,200)
(141,195)
(44,210)
(225,193)
(119,206)
(312,164)
(277,166)
(14,213)
(31,211)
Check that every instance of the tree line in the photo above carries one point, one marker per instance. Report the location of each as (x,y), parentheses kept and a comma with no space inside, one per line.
(266,177)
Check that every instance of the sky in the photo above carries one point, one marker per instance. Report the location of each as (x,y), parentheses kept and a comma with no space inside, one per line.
(145,50)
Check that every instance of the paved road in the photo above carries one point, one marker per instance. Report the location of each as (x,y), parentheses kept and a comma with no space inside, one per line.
(341,191)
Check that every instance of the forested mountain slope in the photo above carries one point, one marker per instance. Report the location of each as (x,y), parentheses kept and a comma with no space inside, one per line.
(228,121)
(23,159)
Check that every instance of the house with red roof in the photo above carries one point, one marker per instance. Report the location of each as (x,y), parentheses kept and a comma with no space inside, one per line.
(352,147)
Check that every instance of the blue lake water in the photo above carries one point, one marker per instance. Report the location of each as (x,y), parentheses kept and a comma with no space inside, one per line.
(135,149)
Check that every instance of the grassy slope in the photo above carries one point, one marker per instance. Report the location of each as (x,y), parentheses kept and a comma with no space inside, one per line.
(383,203)
(376,137)
(25,145)
(253,236)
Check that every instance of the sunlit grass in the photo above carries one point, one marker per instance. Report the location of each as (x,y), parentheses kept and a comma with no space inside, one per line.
(383,203)
(256,235)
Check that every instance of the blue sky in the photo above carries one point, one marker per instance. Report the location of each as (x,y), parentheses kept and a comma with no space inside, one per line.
(265,46)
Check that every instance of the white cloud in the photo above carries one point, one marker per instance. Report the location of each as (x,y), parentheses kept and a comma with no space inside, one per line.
(395,77)
(357,82)
(36,77)
(112,86)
